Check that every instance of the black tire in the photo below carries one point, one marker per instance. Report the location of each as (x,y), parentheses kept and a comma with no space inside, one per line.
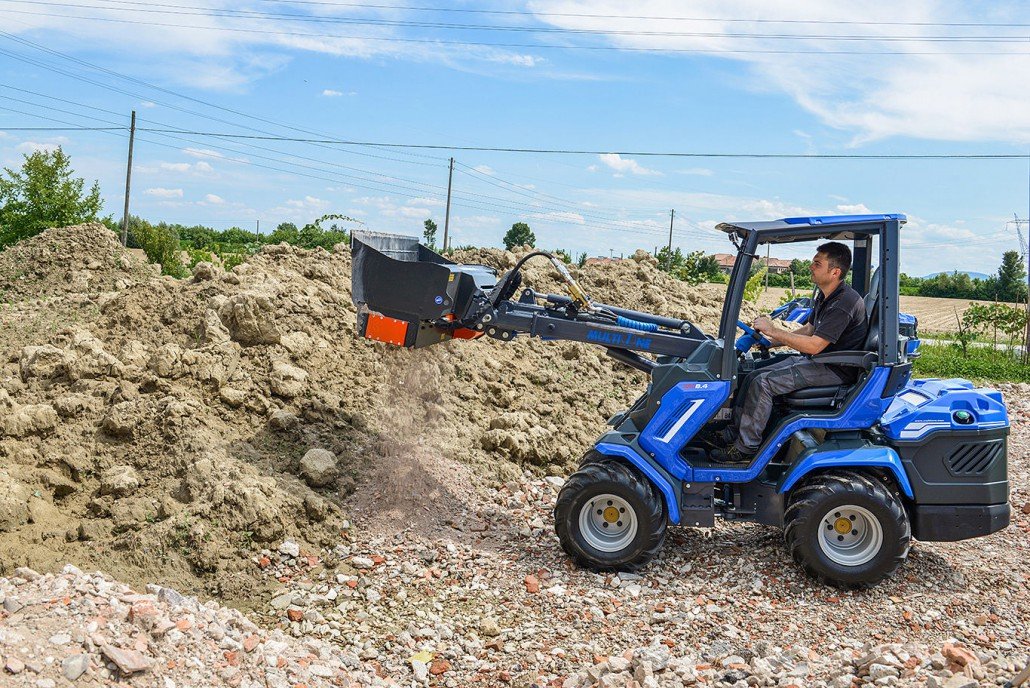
(601,475)
(820,497)
(594,456)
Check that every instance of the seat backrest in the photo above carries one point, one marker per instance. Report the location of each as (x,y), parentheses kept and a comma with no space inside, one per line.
(872,312)
(873,293)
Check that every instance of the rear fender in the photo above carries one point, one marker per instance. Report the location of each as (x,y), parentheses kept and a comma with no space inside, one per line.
(859,457)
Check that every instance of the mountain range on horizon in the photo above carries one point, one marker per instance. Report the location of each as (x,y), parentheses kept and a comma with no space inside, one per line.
(972,275)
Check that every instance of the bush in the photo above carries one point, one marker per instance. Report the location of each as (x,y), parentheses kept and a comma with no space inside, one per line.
(979,363)
(755,285)
(160,243)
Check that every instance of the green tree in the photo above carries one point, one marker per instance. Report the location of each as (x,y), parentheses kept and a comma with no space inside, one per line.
(698,267)
(44,193)
(670,261)
(519,235)
(161,244)
(562,255)
(285,232)
(1011,278)
(429,234)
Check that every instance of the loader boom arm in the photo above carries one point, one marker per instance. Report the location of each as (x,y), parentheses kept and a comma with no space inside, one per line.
(408,295)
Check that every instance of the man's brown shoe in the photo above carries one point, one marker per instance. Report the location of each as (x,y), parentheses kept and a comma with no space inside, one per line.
(733,455)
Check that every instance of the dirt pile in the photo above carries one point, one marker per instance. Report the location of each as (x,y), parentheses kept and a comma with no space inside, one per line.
(83,259)
(168,428)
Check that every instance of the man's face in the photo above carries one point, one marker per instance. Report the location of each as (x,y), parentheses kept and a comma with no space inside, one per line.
(822,272)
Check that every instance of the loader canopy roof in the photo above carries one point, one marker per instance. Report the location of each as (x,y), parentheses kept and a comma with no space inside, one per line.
(806,228)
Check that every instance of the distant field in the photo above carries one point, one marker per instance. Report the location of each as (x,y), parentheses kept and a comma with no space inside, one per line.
(935,315)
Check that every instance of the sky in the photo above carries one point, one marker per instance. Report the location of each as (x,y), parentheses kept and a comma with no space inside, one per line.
(383,93)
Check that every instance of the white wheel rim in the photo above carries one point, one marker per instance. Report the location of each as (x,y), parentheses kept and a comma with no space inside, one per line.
(608,523)
(854,544)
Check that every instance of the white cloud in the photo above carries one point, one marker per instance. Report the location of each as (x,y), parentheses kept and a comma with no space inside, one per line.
(199,168)
(484,169)
(35,147)
(414,211)
(621,164)
(158,192)
(147,104)
(517,60)
(213,199)
(208,153)
(422,200)
(922,88)
(854,209)
(330,93)
(308,202)
(566,217)
(697,171)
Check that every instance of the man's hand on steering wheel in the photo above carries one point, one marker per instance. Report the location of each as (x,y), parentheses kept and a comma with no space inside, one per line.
(758,338)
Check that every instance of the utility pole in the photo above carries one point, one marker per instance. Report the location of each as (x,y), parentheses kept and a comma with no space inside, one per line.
(258,226)
(672,219)
(447,214)
(128,182)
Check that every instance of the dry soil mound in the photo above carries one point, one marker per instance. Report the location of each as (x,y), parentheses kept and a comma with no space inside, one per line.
(172,427)
(80,259)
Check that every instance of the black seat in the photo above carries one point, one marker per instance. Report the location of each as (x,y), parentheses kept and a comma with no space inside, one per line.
(832,396)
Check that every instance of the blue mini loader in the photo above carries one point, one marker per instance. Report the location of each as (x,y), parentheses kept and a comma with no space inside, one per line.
(851,472)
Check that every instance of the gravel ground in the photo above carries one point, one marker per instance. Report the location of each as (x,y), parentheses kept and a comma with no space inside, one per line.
(495,602)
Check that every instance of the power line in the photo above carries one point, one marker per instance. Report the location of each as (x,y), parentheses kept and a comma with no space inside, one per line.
(2,128)
(653,49)
(194,10)
(417,8)
(611,223)
(146,84)
(667,154)
(470,200)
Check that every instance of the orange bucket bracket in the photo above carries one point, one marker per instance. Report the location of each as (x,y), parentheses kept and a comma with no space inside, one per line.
(385,329)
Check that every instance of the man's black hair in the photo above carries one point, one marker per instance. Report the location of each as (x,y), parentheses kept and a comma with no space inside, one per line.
(838,255)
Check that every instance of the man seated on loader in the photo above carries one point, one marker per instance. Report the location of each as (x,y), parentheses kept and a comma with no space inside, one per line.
(837,323)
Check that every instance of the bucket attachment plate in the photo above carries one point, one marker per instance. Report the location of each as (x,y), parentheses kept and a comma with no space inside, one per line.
(406,293)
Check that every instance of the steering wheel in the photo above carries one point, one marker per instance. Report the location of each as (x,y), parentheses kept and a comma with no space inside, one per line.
(750,338)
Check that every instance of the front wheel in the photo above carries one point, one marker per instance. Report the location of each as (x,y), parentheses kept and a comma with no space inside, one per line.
(847,529)
(609,517)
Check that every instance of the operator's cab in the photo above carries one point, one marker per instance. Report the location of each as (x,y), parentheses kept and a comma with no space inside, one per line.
(866,235)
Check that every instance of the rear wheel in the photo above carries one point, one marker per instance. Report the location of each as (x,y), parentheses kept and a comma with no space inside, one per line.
(609,517)
(847,529)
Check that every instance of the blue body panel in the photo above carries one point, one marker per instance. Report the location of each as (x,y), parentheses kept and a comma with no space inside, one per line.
(842,219)
(659,481)
(683,410)
(865,457)
(862,413)
(928,406)
(799,314)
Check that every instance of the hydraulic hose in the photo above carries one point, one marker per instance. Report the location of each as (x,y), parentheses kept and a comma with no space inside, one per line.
(635,324)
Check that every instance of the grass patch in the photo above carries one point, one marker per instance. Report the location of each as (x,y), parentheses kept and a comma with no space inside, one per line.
(982,363)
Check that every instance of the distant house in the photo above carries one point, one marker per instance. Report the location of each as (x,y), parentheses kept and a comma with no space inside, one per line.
(777,266)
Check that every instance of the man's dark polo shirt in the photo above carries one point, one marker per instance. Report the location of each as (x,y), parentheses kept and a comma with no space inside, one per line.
(840,319)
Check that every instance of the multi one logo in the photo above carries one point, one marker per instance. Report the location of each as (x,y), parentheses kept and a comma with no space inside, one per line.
(628,341)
